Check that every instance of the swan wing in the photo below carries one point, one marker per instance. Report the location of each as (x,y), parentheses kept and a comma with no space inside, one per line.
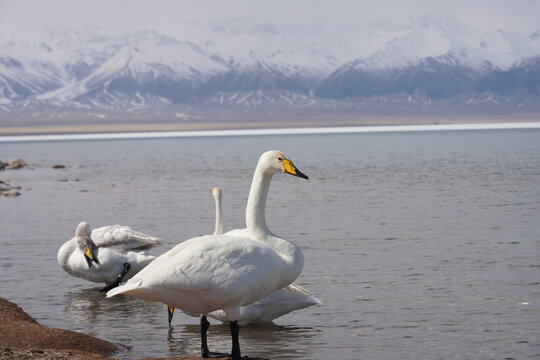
(123,238)
(293,294)
(208,273)
(273,306)
(282,302)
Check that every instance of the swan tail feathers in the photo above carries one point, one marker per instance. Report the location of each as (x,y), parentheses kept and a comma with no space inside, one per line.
(124,289)
(300,291)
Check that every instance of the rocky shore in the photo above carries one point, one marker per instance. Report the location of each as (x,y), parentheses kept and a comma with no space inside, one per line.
(22,337)
(9,190)
(6,189)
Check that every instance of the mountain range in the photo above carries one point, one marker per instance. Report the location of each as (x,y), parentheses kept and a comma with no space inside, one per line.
(430,66)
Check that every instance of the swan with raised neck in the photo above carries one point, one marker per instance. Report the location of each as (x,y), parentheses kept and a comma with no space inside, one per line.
(226,271)
(280,302)
(270,163)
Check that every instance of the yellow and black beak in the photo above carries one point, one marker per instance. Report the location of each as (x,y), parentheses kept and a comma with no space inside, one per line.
(90,256)
(289,167)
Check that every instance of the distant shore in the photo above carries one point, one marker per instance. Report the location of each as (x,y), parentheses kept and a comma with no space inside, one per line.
(142,125)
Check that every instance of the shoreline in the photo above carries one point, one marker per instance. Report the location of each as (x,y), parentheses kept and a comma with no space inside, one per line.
(115,126)
(153,131)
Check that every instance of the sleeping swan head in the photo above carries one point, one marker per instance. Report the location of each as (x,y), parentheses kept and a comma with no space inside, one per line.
(85,243)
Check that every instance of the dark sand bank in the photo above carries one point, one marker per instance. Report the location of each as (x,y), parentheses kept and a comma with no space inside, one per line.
(22,337)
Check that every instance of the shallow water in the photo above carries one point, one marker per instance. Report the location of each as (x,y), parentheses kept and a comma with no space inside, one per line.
(420,245)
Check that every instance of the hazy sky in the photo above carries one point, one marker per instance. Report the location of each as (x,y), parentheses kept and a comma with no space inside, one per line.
(520,16)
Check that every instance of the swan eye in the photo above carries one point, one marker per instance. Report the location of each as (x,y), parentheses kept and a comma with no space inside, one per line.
(279,158)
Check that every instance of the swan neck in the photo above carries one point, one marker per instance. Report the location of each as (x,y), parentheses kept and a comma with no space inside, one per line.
(258,230)
(255,210)
(218,230)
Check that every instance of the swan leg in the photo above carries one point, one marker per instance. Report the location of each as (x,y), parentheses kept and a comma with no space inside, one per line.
(118,280)
(235,353)
(205,353)
(235,330)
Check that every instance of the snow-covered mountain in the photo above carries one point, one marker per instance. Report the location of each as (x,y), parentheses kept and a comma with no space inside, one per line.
(244,65)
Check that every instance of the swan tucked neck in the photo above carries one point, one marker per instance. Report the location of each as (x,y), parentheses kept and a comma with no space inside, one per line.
(66,250)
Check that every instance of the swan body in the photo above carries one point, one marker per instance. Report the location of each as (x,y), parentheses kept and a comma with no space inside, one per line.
(211,272)
(111,247)
(224,272)
(280,302)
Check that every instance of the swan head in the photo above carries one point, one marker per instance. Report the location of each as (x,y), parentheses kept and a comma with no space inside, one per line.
(83,229)
(274,162)
(216,192)
(85,243)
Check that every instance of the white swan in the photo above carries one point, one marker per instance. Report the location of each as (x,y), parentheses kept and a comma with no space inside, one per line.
(213,272)
(280,302)
(107,254)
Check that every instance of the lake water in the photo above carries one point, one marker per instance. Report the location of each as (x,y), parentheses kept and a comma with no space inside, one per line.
(422,245)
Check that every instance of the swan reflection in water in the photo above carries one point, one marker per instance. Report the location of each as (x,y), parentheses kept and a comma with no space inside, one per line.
(89,306)
(268,339)
(144,328)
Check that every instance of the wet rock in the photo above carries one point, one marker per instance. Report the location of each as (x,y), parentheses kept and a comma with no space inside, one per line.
(17,164)
(3,165)
(7,190)
(58,166)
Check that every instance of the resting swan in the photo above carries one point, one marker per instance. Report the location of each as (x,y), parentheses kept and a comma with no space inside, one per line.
(278,303)
(107,254)
(214,272)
